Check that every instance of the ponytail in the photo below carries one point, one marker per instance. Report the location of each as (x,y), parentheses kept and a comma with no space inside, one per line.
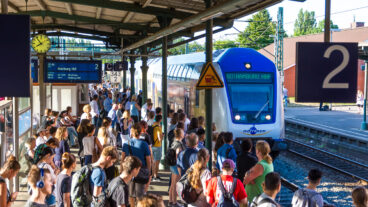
(67,160)
(10,164)
(264,148)
(194,176)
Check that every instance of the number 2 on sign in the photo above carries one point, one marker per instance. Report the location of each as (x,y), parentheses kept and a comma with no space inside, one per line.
(344,63)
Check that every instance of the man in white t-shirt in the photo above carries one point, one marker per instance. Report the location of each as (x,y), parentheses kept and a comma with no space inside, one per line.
(41,139)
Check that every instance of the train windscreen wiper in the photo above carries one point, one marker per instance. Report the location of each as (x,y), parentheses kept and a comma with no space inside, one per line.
(259,112)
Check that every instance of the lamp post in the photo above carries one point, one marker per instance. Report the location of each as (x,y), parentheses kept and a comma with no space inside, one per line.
(364,123)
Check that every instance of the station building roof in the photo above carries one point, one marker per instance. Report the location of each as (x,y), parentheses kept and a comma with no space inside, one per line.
(357,35)
(131,20)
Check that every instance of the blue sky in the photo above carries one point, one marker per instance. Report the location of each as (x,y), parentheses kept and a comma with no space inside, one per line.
(342,14)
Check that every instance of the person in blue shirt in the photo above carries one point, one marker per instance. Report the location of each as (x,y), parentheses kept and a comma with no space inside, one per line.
(201,133)
(187,157)
(108,102)
(98,182)
(226,151)
(138,148)
(112,115)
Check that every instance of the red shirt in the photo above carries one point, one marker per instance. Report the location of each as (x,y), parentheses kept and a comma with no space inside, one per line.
(213,194)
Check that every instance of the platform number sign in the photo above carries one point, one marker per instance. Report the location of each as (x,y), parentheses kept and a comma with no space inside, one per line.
(326,72)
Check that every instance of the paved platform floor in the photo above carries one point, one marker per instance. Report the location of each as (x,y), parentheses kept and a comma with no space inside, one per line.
(344,119)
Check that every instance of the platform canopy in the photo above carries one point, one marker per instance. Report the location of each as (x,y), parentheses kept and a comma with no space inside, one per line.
(136,22)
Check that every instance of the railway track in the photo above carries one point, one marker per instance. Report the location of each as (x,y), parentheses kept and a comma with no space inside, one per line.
(341,164)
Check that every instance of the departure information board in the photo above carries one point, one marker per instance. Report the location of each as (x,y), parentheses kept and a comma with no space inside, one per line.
(34,70)
(73,71)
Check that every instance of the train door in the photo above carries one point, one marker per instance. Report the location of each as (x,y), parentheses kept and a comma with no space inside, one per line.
(187,102)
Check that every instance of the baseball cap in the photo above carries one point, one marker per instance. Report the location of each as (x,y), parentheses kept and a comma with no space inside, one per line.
(41,129)
(228,163)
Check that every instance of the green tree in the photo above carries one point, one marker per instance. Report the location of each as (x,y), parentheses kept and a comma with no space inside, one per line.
(305,23)
(321,26)
(223,44)
(259,32)
(181,49)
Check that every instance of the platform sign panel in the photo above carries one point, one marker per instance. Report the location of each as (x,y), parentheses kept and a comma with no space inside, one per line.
(34,70)
(15,55)
(73,71)
(326,72)
(209,78)
(115,77)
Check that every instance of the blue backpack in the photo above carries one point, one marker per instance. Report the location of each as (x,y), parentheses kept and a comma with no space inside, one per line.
(227,199)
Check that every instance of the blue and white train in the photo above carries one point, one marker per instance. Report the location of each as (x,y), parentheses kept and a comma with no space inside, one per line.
(250,104)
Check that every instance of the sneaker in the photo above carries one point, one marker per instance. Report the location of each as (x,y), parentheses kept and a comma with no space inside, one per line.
(156,179)
(177,205)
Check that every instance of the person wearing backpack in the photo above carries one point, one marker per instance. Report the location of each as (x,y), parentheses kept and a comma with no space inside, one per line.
(118,188)
(140,149)
(271,187)
(226,190)
(226,151)
(187,157)
(156,147)
(309,197)
(97,179)
(176,147)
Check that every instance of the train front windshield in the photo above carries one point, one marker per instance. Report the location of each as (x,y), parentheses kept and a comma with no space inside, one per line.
(251,97)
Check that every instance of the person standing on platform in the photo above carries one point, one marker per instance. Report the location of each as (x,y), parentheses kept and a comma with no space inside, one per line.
(8,171)
(157,146)
(285,93)
(64,180)
(108,102)
(62,137)
(309,194)
(112,115)
(188,157)
(226,151)
(271,186)
(94,110)
(145,109)
(254,179)
(151,118)
(89,144)
(41,139)
(125,124)
(134,109)
(41,183)
(360,197)
(246,160)
(119,186)
(86,112)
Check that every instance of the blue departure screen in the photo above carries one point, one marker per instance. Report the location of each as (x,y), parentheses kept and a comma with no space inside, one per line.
(249,77)
(34,70)
(72,71)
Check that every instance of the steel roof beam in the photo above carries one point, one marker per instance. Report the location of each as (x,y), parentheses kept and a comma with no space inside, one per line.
(225,7)
(11,5)
(82,30)
(115,24)
(69,8)
(66,34)
(130,7)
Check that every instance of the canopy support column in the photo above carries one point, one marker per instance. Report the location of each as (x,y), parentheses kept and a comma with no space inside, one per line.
(164,88)
(144,68)
(132,71)
(208,92)
(125,75)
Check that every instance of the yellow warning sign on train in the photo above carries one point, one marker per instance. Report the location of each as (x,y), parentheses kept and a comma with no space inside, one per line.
(209,78)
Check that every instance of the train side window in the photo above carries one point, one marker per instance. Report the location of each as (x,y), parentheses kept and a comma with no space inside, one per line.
(197,98)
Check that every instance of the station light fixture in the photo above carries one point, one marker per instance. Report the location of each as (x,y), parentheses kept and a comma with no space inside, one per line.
(237,117)
(248,66)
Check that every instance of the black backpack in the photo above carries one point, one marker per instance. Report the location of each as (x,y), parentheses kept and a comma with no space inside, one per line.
(150,131)
(189,194)
(80,190)
(170,157)
(227,198)
(170,137)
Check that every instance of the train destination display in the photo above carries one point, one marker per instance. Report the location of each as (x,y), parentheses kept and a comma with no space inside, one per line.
(73,71)
(247,77)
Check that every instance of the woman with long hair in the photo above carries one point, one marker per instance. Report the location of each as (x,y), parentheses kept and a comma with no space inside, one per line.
(256,176)
(62,136)
(82,132)
(86,112)
(360,197)
(104,135)
(64,180)
(125,124)
(199,175)
(8,171)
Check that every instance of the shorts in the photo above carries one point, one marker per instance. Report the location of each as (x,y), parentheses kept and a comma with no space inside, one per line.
(157,153)
(174,169)
(136,190)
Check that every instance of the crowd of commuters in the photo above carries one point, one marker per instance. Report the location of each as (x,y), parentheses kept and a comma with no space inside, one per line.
(120,142)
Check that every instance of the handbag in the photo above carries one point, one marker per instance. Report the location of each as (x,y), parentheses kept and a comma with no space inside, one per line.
(143,174)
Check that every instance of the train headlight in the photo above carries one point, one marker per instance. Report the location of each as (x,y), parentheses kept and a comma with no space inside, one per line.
(248,66)
(268,117)
(237,117)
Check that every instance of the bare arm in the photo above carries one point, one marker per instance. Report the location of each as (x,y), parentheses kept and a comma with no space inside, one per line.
(148,161)
(122,156)
(256,171)
(97,190)
(138,107)
(66,198)
(3,191)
